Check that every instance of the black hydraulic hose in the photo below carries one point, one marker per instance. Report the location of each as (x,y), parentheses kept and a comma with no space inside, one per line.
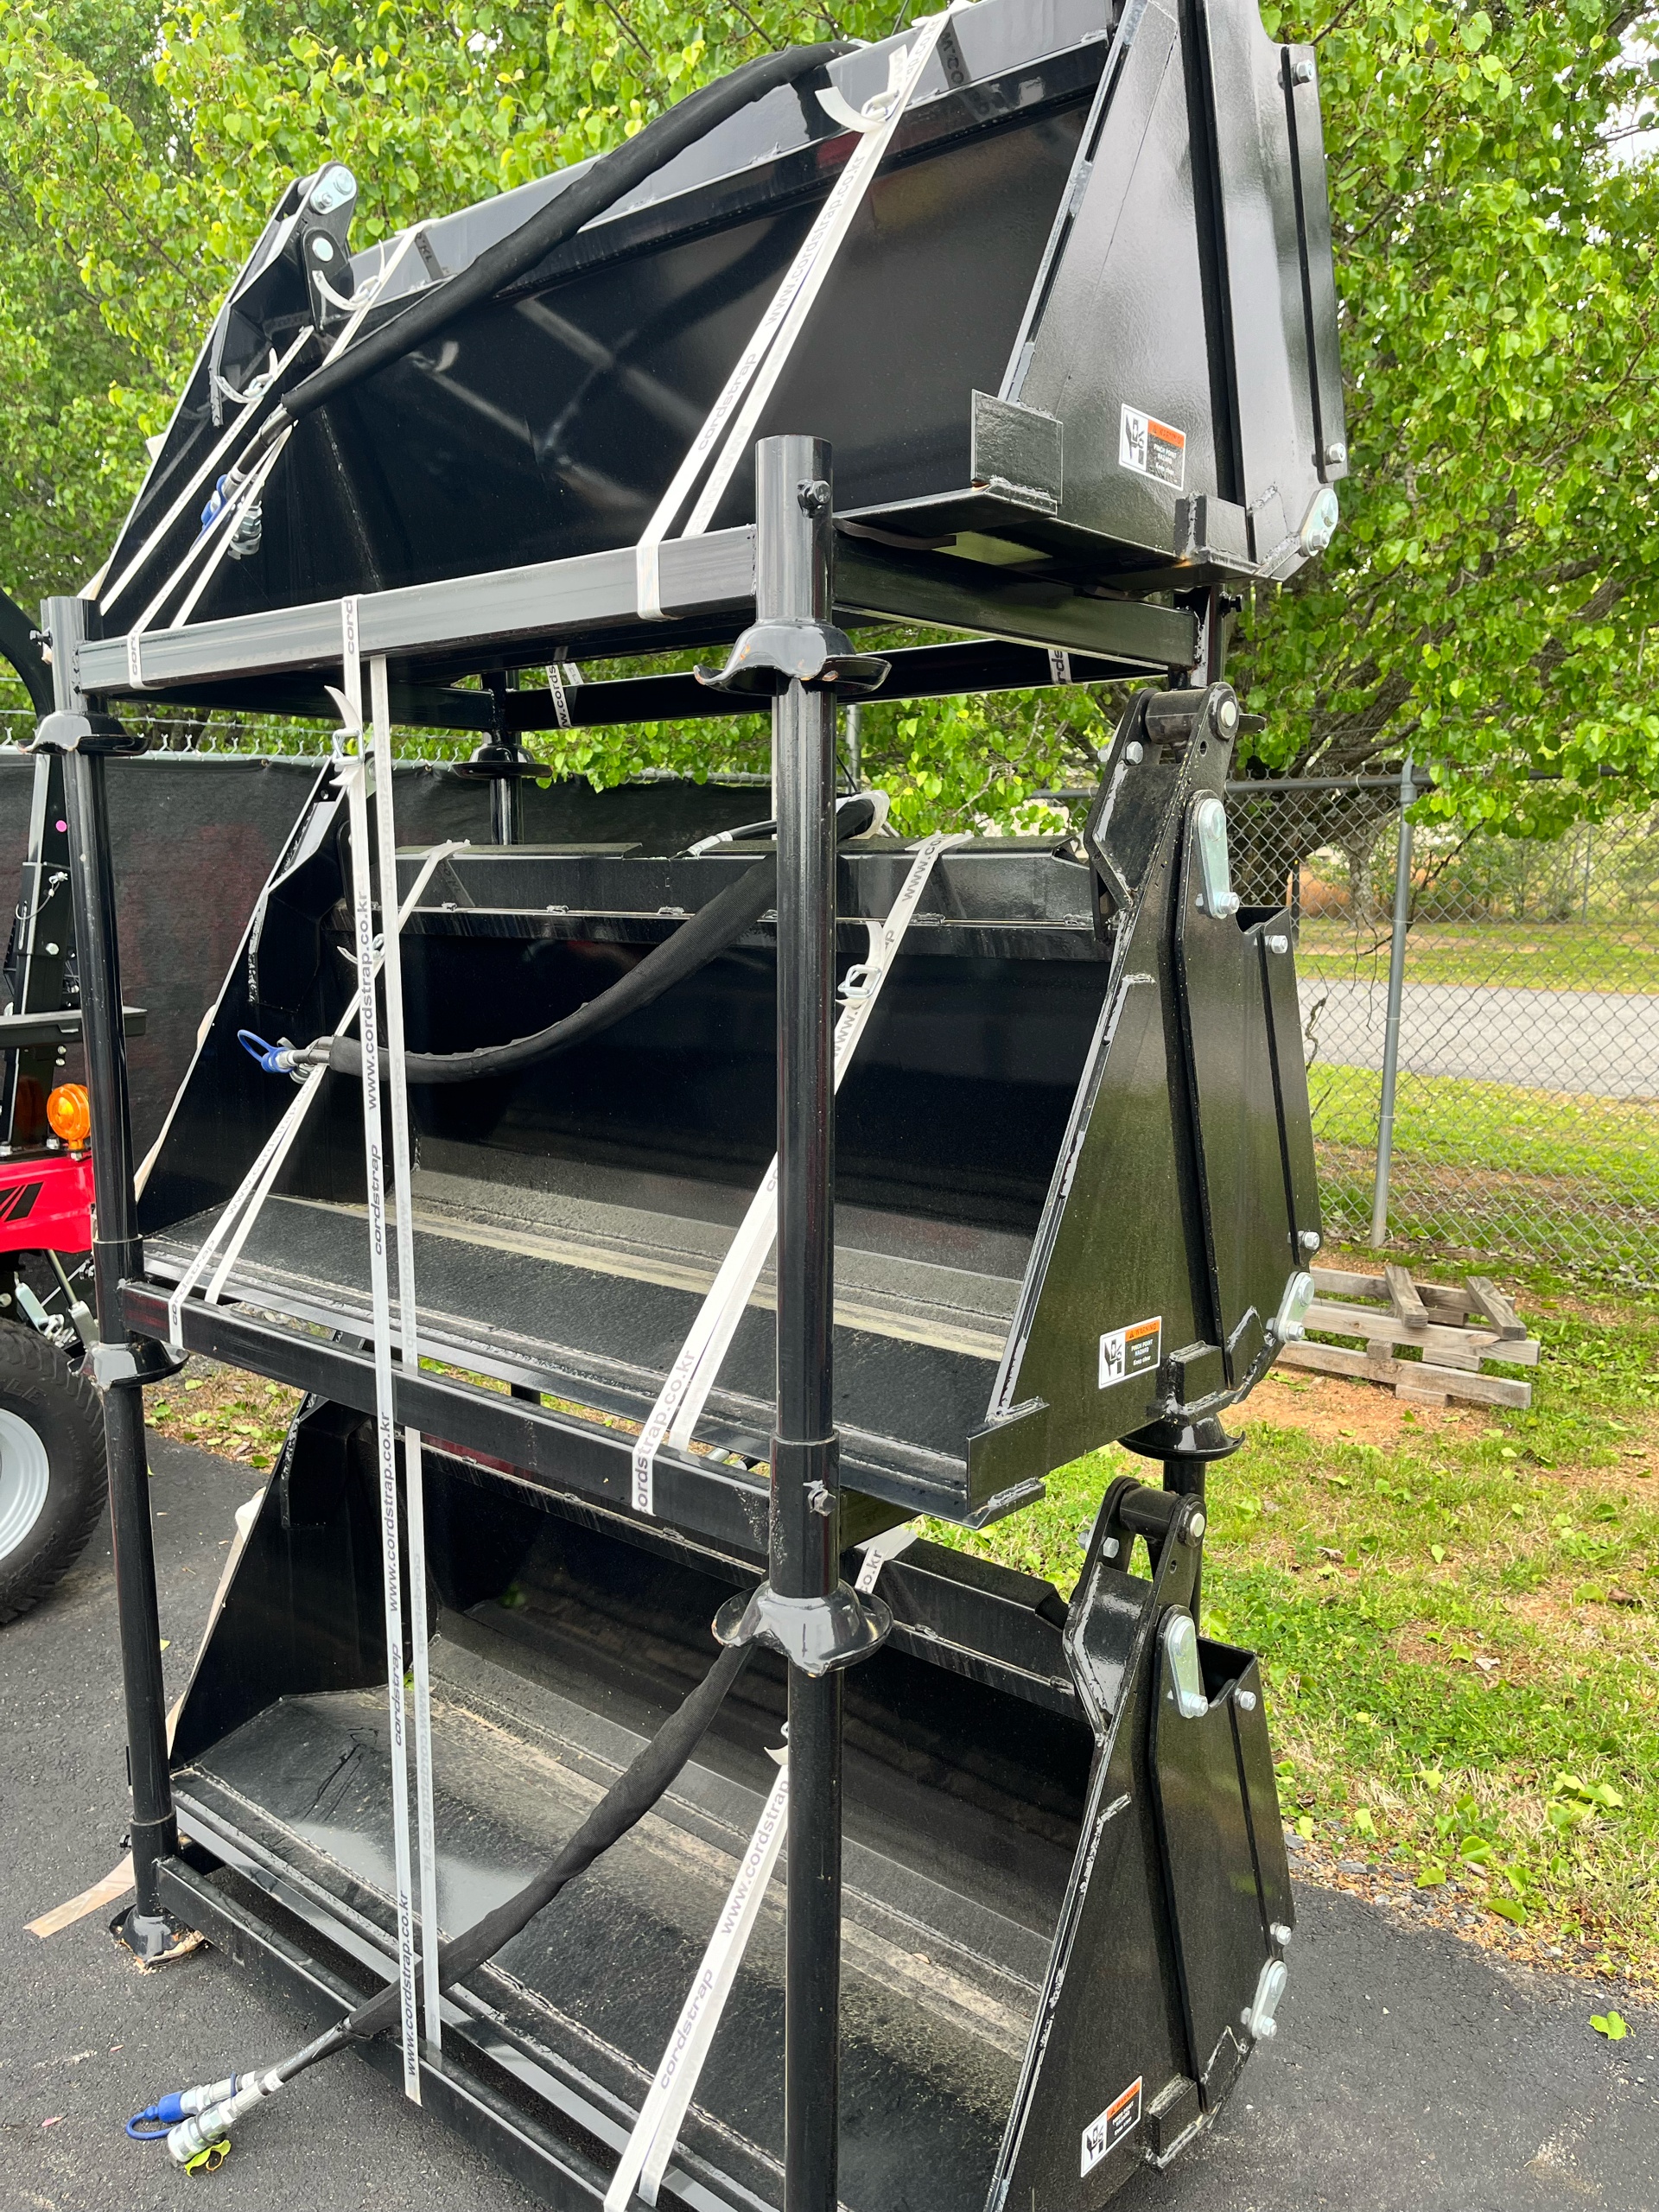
(627,1800)
(610,179)
(711,932)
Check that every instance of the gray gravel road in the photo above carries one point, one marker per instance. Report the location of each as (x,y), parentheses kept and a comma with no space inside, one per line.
(1605,1043)
(1410,2075)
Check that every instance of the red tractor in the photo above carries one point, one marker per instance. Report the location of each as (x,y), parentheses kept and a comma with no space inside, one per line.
(52,1476)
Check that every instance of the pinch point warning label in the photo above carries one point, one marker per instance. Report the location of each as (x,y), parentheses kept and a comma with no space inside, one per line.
(1130,1351)
(1109,2128)
(1152,449)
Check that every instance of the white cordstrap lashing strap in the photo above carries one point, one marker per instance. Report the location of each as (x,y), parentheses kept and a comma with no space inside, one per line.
(360,302)
(385,1432)
(907,70)
(242,1208)
(269,1167)
(563,677)
(686,1387)
(222,531)
(192,487)
(1059,665)
(874,1555)
(249,1195)
(645,2160)
(414,1471)
(222,528)
(226,394)
(762,362)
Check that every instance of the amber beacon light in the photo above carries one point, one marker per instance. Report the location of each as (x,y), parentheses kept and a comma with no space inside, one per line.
(69,1111)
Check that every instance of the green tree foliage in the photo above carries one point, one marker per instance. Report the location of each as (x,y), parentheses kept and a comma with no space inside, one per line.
(1487,603)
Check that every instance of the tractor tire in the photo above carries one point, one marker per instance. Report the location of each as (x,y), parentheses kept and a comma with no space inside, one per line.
(52,1480)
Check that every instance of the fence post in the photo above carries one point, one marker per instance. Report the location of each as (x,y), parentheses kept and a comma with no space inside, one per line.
(1396,991)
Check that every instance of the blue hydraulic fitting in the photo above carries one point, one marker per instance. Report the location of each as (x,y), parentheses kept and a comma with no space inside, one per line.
(280,1058)
(215,503)
(151,2126)
(201,2140)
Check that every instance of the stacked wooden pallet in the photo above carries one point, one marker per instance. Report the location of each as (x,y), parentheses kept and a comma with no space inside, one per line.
(1457,1333)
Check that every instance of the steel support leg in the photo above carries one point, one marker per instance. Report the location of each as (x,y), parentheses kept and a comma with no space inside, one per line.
(506,812)
(116,1255)
(792,508)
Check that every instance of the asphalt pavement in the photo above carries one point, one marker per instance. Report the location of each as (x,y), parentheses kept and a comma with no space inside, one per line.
(1605,1044)
(1411,2074)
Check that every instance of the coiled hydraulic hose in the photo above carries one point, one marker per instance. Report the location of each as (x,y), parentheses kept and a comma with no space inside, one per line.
(711,932)
(200,2127)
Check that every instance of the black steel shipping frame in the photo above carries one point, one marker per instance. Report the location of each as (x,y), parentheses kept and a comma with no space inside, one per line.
(1229,126)
(791,569)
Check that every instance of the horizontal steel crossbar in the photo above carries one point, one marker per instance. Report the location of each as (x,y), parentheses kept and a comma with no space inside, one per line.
(562,1449)
(535,1444)
(710,579)
(714,574)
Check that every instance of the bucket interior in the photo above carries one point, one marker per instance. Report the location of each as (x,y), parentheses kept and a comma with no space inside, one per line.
(570,1219)
(561,1643)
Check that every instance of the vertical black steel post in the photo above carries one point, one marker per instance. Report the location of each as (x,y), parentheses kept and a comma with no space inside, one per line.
(116,1254)
(506,792)
(506,812)
(793,514)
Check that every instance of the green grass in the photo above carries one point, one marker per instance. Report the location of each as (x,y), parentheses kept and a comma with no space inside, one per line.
(1524,955)
(1457,1631)
(240,1416)
(1496,1129)
(1494,1167)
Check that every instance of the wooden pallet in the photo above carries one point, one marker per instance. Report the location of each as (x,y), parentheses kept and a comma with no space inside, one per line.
(1458,1332)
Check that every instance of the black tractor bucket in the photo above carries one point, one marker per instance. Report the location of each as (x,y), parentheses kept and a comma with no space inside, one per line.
(1065,1893)
(1073,1174)
(1064,325)
(700,1220)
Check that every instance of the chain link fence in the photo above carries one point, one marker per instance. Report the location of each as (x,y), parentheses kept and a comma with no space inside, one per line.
(1525,1122)
(252,737)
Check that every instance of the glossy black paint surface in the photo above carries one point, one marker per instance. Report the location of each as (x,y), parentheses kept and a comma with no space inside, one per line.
(1103,215)
(1171,1202)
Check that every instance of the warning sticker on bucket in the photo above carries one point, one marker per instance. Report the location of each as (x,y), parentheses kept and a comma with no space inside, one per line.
(1130,1351)
(1152,447)
(1109,2128)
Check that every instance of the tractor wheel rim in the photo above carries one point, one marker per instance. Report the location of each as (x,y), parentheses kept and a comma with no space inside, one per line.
(25,1478)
